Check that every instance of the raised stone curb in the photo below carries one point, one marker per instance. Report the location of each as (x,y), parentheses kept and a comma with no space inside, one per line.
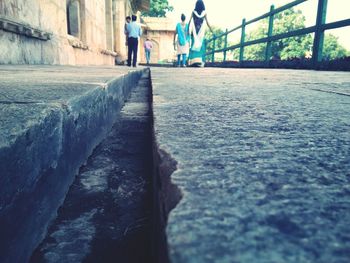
(45,139)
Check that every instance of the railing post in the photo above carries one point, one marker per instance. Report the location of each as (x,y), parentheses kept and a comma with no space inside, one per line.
(241,49)
(225,45)
(205,50)
(269,34)
(213,54)
(319,33)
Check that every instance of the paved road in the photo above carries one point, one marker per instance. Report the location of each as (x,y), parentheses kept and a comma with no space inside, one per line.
(263,163)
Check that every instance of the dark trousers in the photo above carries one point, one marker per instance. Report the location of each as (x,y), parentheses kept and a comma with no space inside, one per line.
(132,50)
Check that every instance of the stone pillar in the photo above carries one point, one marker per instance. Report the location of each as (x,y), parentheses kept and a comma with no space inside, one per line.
(83,21)
(109,25)
(120,12)
(114,23)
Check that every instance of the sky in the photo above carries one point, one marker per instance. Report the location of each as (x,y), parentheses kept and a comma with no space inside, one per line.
(229,13)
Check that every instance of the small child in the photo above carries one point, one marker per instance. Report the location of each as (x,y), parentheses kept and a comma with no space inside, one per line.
(148,48)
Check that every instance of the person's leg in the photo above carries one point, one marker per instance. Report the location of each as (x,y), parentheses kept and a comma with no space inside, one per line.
(135,52)
(148,56)
(203,54)
(178,60)
(184,58)
(129,51)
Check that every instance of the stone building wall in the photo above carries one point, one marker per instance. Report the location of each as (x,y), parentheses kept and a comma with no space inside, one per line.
(122,9)
(75,32)
(161,32)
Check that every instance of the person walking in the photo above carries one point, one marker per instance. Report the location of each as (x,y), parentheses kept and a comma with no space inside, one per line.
(197,30)
(182,44)
(134,32)
(148,48)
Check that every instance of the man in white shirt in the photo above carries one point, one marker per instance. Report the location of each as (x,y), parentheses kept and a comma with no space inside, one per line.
(134,32)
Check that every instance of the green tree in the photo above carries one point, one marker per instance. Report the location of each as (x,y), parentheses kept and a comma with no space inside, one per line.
(219,42)
(332,49)
(293,47)
(158,8)
(286,21)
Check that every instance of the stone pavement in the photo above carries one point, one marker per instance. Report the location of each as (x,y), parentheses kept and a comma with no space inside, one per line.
(51,118)
(263,164)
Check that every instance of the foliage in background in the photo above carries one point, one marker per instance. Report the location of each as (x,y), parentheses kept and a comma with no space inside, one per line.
(158,8)
(219,42)
(332,49)
(293,47)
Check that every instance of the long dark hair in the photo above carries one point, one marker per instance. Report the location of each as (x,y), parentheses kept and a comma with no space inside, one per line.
(200,7)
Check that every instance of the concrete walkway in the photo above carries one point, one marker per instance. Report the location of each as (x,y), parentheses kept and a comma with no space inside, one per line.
(263,164)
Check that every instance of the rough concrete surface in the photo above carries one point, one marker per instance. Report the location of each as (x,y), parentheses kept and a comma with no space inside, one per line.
(51,118)
(263,164)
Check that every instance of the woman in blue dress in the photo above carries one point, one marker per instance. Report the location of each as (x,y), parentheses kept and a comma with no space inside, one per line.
(197,30)
(182,45)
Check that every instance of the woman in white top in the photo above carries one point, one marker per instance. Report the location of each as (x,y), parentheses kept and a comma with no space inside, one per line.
(197,32)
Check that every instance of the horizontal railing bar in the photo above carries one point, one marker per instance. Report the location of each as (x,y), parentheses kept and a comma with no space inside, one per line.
(223,34)
(287,6)
(299,32)
(276,11)
(234,29)
(269,39)
(258,18)
(337,24)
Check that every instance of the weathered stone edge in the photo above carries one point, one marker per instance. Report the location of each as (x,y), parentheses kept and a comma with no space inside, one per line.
(166,194)
(60,144)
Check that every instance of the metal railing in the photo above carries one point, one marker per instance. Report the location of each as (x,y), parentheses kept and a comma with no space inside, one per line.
(318,29)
